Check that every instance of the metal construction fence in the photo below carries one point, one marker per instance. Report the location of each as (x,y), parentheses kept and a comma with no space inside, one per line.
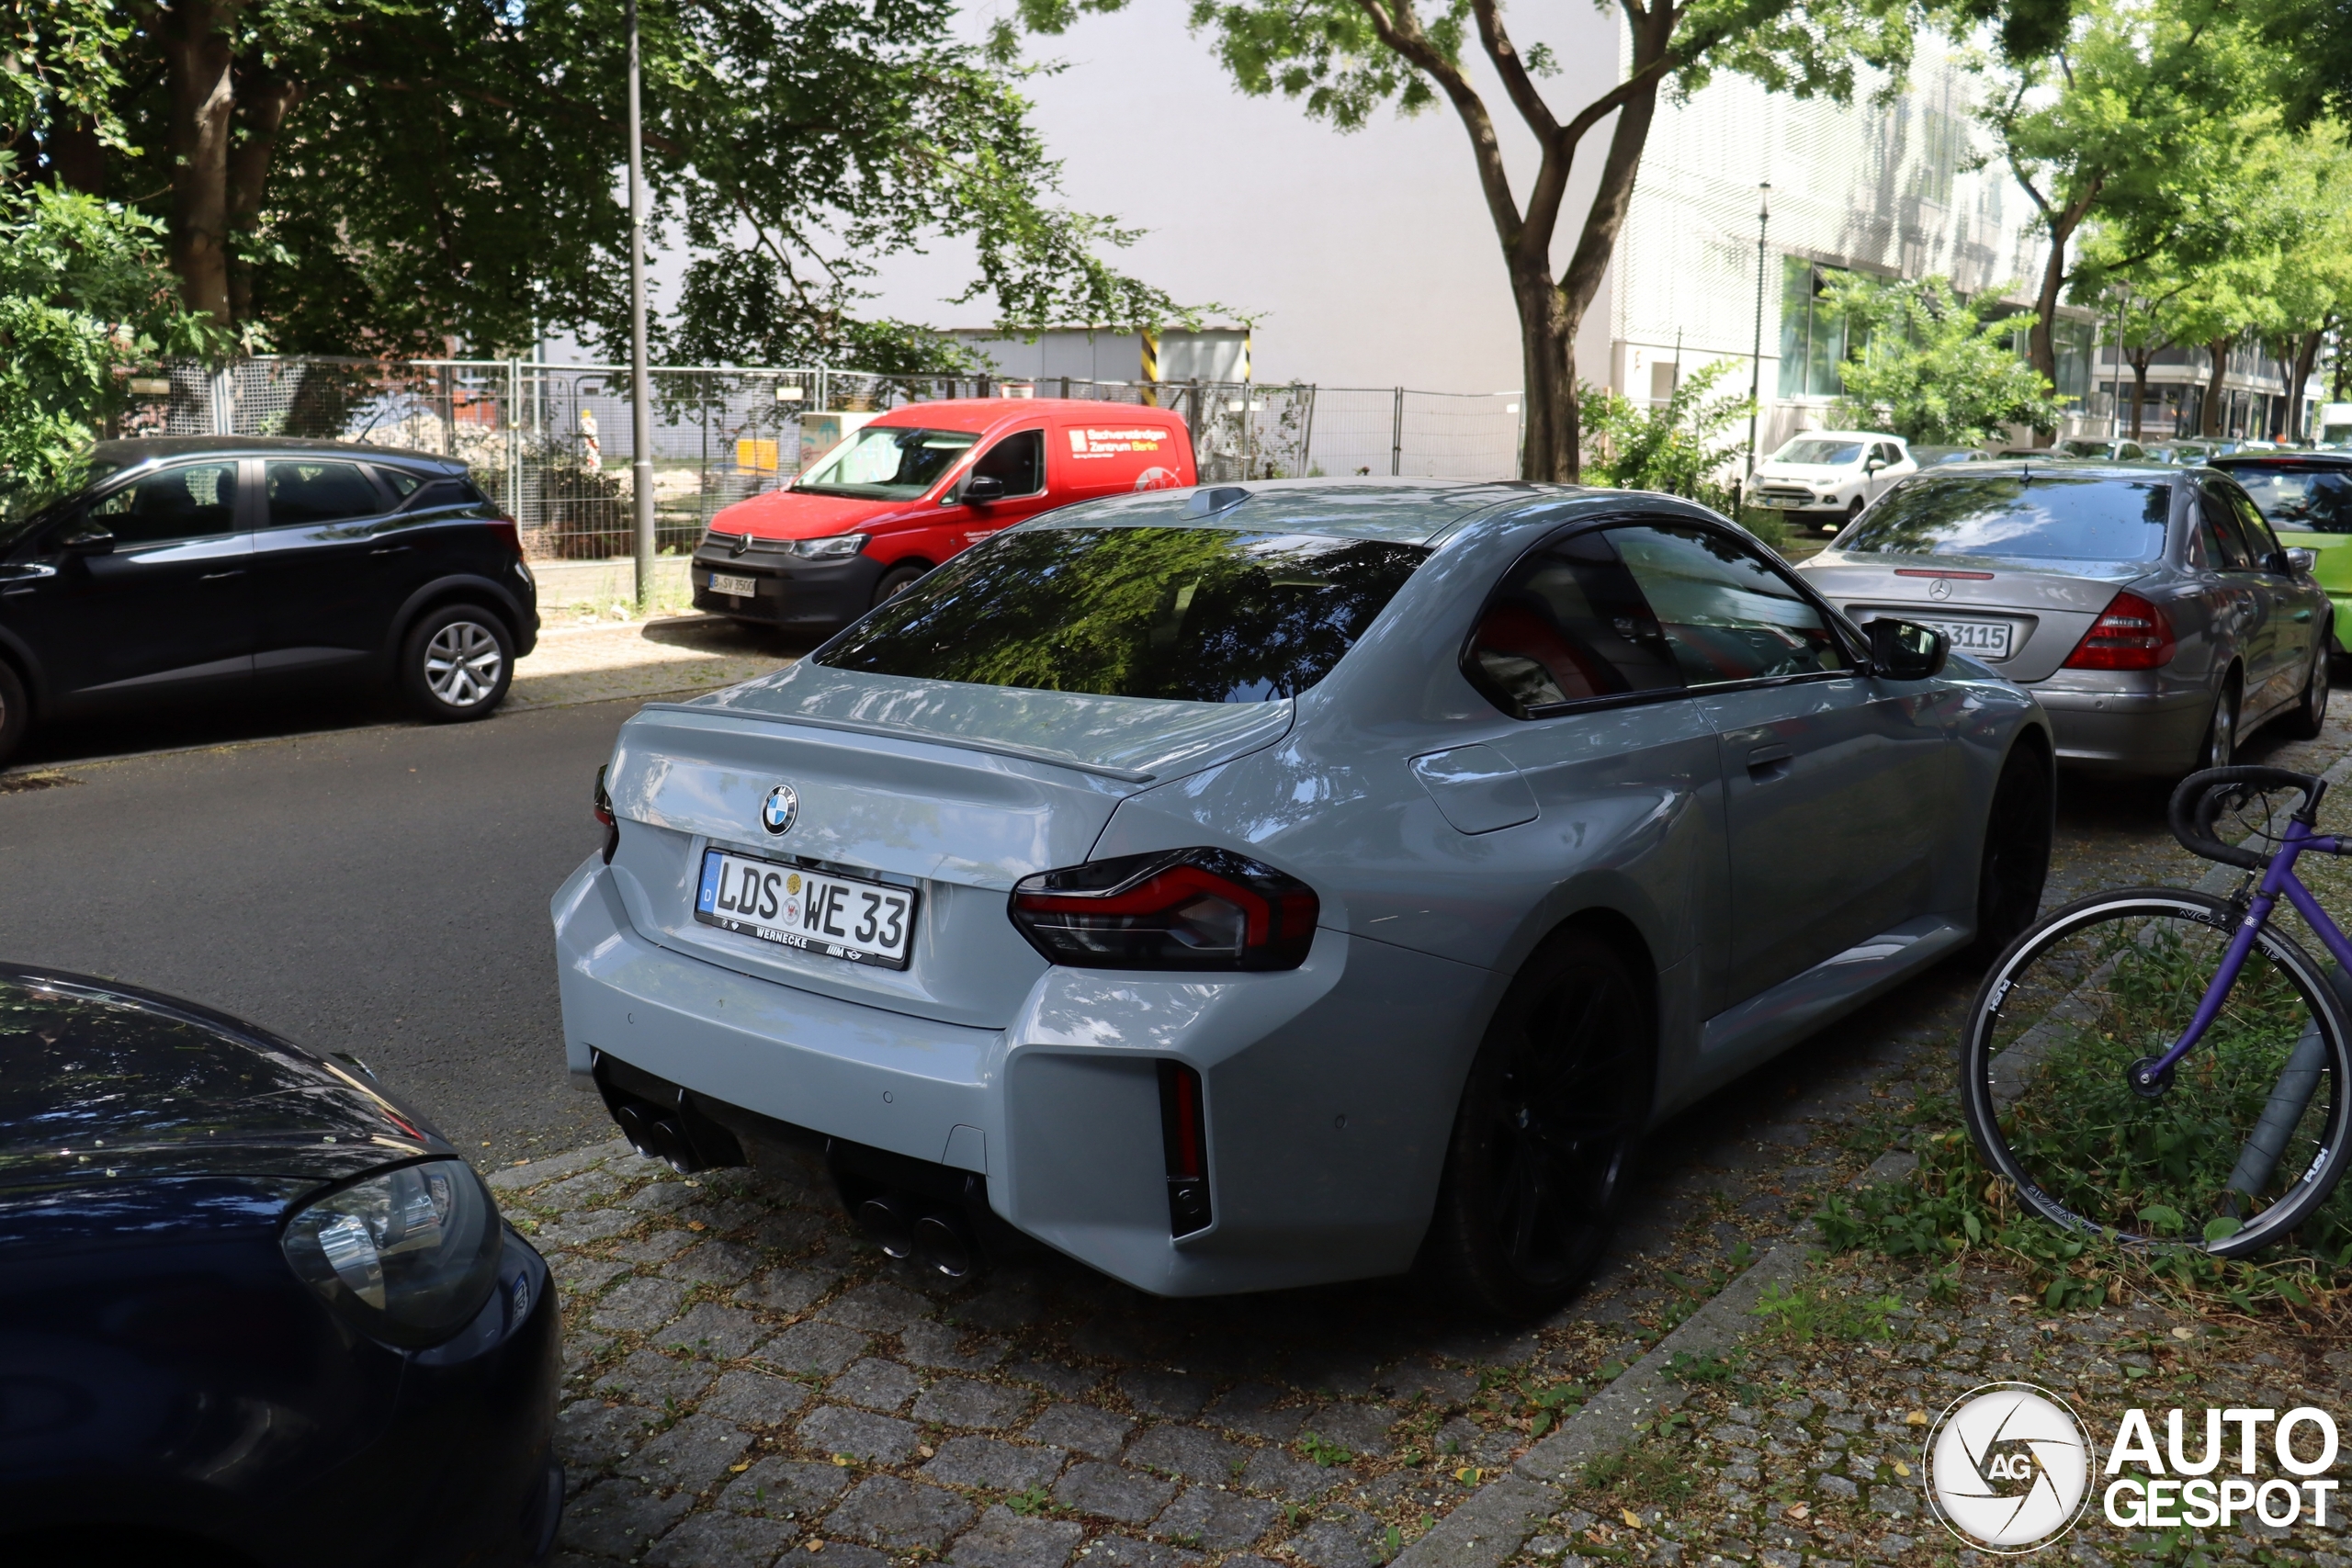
(552,442)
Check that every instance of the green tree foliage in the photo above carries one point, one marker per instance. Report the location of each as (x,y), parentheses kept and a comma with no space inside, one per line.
(2141,112)
(1343,60)
(1684,446)
(83,296)
(388,175)
(1933,368)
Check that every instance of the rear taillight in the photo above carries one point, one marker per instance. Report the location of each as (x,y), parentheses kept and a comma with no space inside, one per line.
(1185,1135)
(601,808)
(507,530)
(2129,634)
(1171,909)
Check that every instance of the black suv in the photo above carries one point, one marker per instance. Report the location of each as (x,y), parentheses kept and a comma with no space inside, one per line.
(220,564)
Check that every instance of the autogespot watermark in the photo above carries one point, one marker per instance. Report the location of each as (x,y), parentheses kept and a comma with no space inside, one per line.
(2010,1468)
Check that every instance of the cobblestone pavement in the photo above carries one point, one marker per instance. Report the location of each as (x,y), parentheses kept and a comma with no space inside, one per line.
(746,1379)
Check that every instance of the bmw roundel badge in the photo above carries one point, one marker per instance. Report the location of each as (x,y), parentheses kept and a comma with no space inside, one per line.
(781,807)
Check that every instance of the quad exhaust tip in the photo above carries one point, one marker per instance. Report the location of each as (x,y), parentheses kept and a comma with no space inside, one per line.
(937,1240)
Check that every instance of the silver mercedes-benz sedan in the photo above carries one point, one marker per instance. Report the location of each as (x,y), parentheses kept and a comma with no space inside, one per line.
(2151,610)
(1279,883)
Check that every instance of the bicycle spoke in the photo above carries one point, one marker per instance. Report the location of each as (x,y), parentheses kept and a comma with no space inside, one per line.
(2247,1125)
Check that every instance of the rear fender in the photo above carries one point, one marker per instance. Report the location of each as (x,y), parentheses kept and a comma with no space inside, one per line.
(462,588)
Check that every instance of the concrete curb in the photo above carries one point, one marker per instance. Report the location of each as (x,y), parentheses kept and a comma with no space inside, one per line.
(1499,1517)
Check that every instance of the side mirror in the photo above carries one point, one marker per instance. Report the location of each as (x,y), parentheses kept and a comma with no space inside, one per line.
(1906,650)
(85,537)
(2301,562)
(981,489)
(1874,465)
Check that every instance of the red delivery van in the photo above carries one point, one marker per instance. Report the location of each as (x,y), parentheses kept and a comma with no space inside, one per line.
(915,486)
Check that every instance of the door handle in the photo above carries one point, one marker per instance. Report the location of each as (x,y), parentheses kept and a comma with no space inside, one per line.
(221,576)
(2302,615)
(391,550)
(1767,763)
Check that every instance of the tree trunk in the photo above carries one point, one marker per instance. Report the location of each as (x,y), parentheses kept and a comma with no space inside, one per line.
(77,157)
(1548,364)
(198,55)
(2139,388)
(2306,357)
(264,100)
(2210,419)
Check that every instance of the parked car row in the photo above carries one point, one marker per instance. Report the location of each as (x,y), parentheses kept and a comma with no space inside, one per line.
(1231,887)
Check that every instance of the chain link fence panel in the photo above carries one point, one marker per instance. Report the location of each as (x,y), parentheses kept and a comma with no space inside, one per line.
(552,443)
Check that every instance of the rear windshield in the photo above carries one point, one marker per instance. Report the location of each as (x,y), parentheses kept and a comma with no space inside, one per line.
(2318,500)
(1195,615)
(1803,451)
(886,463)
(2036,517)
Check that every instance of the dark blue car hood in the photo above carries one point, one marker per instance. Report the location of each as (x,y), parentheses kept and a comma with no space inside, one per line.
(101,1082)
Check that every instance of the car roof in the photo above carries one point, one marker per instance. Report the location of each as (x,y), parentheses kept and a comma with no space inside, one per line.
(980,414)
(2095,467)
(2311,459)
(154,448)
(1403,511)
(1849,435)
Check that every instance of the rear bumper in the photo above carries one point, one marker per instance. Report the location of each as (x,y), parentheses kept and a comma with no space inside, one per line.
(2158,732)
(812,595)
(1328,1090)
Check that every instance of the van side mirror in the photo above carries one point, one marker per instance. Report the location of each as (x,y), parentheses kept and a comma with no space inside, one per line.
(1906,650)
(85,537)
(981,489)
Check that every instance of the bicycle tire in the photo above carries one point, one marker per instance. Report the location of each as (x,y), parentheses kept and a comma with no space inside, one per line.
(2113,979)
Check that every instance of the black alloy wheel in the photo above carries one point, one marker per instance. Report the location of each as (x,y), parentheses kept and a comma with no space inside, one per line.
(2309,716)
(2016,862)
(1545,1134)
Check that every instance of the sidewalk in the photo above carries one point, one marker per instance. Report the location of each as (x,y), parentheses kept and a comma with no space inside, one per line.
(670,656)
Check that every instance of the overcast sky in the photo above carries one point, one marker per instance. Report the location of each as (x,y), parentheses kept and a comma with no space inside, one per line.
(1368,258)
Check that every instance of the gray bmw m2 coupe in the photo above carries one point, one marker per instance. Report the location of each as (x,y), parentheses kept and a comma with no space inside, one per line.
(1288,882)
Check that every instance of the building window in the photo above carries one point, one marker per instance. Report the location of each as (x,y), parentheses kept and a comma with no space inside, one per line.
(2072,339)
(1814,343)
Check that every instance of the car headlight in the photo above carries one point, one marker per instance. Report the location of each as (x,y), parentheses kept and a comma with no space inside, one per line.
(834,548)
(407,1255)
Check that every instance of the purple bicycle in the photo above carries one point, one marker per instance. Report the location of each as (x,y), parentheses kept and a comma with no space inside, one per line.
(2168,1065)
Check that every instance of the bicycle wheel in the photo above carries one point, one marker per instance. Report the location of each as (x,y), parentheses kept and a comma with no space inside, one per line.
(2246,1136)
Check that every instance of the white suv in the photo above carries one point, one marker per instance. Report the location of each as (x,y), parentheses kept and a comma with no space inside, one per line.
(1832,474)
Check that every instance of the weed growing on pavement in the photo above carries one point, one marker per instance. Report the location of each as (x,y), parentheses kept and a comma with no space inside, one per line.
(1694,1370)
(1803,1313)
(1324,1451)
(1032,1501)
(1655,1471)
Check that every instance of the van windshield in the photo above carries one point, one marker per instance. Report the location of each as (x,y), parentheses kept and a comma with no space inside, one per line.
(2293,495)
(2045,516)
(1191,614)
(886,463)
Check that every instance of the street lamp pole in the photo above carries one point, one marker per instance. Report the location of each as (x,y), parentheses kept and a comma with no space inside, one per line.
(1755,354)
(640,382)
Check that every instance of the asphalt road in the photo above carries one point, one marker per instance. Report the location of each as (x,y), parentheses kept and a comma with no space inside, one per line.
(382,889)
(379,891)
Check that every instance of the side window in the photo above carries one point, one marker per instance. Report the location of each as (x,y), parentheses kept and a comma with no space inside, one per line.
(305,493)
(441,492)
(1019,460)
(190,501)
(1568,625)
(1888,454)
(2224,537)
(2259,538)
(1727,614)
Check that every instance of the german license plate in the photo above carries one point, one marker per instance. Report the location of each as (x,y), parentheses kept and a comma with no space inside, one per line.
(739,587)
(840,916)
(1984,640)
(1779,502)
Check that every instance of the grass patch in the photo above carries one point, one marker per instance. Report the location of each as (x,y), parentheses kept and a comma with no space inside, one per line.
(1655,1474)
(1952,1210)
(1804,1313)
